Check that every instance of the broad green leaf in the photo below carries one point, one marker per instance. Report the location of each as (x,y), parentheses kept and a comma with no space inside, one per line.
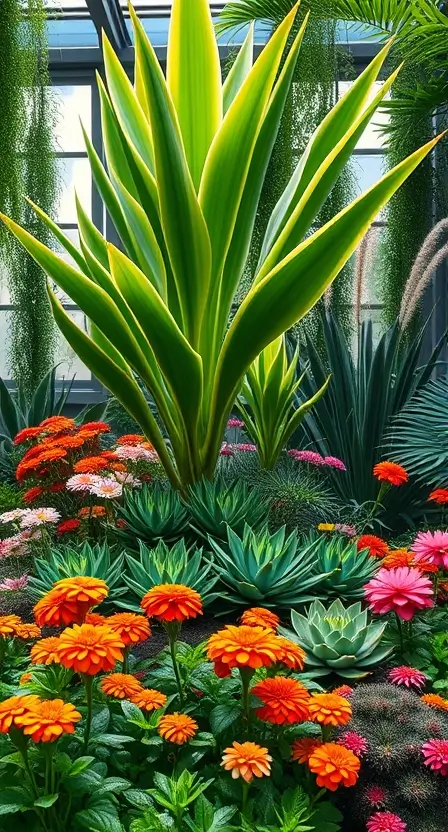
(194,79)
(46,801)
(65,241)
(239,69)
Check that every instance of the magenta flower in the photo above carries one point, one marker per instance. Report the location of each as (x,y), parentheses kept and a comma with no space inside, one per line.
(226,450)
(354,742)
(344,528)
(433,546)
(245,446)
(407,676)
(386,822)
(235,423)
(375,796)
(435,753)
(334,462)
(14,584)
(402,590)
(311,457)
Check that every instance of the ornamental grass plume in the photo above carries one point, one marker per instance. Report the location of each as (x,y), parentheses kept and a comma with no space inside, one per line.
(247,760)
(46,720)
(385,822)
(435,753)
(409,677)
(431,255)
(433,546)
(148,699)
(260,617)
(177,728)
(329,709)
(285,700)
(377,547)
(402,590)
(172,602)
(334,766)
(89,650)
(390,473)
(301,750)
(120,685)
(243,647)
(45,651)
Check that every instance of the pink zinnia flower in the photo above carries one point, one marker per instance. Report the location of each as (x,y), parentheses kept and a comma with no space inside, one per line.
(386,822)
(14,584)
(407,676)
(375,796)
(433,546)
(354,742)
(82,482)
(435,753)
(107,488)
(312,457)
(403,590)
(334,462)
(134,452)
(235,423)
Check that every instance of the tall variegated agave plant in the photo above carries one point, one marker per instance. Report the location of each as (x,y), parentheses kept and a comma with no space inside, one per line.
(186,158)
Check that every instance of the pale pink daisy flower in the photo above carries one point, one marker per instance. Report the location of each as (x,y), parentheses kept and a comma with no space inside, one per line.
(386,822)
(15,514)
(14,584)
(39,516)
(375,796)
(13,546)
(107,488)
(354,742)
(235,423)
(312,457)
(433,546)
(334,462)
(407,676)
(82,482)
(402,590)
(435,753)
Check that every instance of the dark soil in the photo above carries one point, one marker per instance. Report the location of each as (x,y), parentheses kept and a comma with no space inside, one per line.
(193,632)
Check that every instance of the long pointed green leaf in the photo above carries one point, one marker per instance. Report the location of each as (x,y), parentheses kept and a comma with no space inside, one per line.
(239,69)
(65,241)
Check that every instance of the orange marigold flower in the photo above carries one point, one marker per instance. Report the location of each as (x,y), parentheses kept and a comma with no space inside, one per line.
(376,545)
(99,427)
(177,728)
(301,750)
(440,496)
(435,701)
(12,708)
(28,631)
(148,699)
(131,627)
(90,465)
(82,590)
(25,434)
(89,649)
(95,618)
(172,602)
(33,493)
(391,473)
(243,647)
(329,709)
(247,760)
(47,720)
(120,685)
(334,765)
(53,610)
(52,455)
(25,678)
(131,439)
(291,653)
(45,651)
(55,423)
(9,624)
(285,701)
(117,466)
(92,511)
(69,442)
(399,557)
(260,617)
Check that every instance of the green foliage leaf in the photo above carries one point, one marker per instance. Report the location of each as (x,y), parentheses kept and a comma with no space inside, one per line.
(223,716)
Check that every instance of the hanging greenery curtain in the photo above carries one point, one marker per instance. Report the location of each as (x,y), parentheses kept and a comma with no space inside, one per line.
(28,167)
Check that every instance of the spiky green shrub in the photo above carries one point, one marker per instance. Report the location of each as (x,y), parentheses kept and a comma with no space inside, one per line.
(339,640)
(165,565)
(345,571)
(214,505)
(395,723)
(152,514)
(268,569)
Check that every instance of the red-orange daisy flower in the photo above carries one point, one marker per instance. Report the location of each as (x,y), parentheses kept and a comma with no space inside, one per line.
(89,649)
(95,618)
(98,427)
(172,602)
(334,766)
(260,617)
(243,647)
(90,465)
(329,709)
(301,750)
(12,708)
(33,493)
(120,685)
(148,699)
(45,651)
(247,760)
(131,439)
(440,496)
(177,728)
(291,654)
(54,424)
(285,701)
(54,611)
(399,557)
(131,628)
(391,473)
(435,701)
(47,720)
(9,624)
(26,434)
(68,526)
(92,511)
(376,545)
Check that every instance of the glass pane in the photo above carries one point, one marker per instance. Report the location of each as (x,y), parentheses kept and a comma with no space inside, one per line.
(73,103)
(70,363)
(368,169)
(71,32)
(372,138)
(75,173)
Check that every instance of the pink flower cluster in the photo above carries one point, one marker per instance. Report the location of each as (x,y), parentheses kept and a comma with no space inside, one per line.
(354,742)
(386,822)
(409,677)
(18,544)
(432,546)
(435,753)
(235,423)
(402,590)
(135,452)
(313,458)
(106,487)
(14,584)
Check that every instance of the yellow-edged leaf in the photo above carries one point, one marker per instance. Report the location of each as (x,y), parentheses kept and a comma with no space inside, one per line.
(239,69)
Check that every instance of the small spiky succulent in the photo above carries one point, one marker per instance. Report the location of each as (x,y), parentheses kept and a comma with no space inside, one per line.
(395,723)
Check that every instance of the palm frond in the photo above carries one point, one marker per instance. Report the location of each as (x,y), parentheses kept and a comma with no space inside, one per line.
(390,16)
(416,105)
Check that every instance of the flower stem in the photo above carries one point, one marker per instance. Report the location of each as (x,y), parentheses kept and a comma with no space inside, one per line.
(88,682)
(172,629)
(400,630)
(246,787)
(125,667)
(246,674)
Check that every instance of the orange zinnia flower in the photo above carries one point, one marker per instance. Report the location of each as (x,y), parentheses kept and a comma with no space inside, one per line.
(301,750)
(25,434)
(285,701)
(12,708)
(177,728)
(440,496)
(243,647)
(120,685)
(148,699)
(292,654)
(399,557)
(69,442)
(28,631)
(47,720)
(391,473)
(131,439)
(90,465)
(260,617)
(334,765)
(98,427)
(247,760)
(92,511)
(84,591)
(57,423)
(131,627)
(435,701)
(9,624)
(376,545)
(95,618)
(45,651)
(89,649)
(53,610)
(172,602)
(52,455)
(329,709)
